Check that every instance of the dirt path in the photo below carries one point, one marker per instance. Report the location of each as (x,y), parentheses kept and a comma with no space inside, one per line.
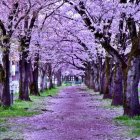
(74,115)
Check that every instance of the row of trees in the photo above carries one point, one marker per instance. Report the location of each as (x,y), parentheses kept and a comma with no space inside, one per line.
(21,27)
(115,28)
(100,39)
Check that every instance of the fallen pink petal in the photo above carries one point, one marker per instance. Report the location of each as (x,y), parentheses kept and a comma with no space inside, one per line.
(69,69)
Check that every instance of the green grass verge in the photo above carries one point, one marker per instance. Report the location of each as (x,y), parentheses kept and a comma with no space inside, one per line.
(66,84)
(23,109)
(50,92)
(133,123)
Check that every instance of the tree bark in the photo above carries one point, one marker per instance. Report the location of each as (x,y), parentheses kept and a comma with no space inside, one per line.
(131,98)
(102,75)
(6,96)
(34,90)
(43,85)
(24,64)
(24,69)
(117,98)
(96,81)
(91,79)
(59,77)
(7,34)
(107,79)
(51,85)
(24,80)
(132,73)
(50,76)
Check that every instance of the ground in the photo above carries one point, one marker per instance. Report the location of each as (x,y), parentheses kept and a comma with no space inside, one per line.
(74,114)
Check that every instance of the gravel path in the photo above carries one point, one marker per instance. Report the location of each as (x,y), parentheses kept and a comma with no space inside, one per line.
(74,114)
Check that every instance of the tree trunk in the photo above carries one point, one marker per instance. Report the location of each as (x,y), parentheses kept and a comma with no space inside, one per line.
(6,34)
(58,76)
(87,78)
(2,77)
(131,98)
(117,98)
(6,97)
(24,65)
(51,82)
(43,86)
(1,93)
(102,77)
(91,79)
(24,80)
(96,81)
(50,76)
(34,90)
(107,79)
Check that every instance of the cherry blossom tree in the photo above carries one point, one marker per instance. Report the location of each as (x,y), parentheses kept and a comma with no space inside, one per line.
(112,18)
(12,15)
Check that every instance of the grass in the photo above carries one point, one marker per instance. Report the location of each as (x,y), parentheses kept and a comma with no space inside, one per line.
(133,123)
(23,109)
(50,92)
(65,84)
(16,111)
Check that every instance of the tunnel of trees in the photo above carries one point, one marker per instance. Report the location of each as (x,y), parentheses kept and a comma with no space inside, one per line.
(99,39)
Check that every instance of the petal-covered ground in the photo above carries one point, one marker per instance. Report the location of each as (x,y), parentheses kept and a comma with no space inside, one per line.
(74,114)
